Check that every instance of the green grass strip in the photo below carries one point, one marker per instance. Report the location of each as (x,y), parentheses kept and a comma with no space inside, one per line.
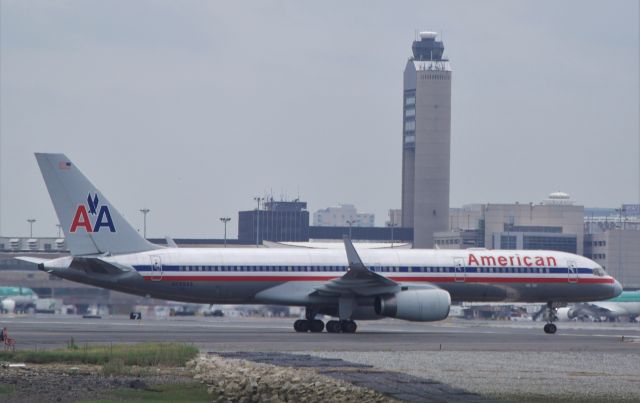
(168,393)
(143,355)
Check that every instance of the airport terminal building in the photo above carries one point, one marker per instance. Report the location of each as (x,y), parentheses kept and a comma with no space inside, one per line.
(554,224)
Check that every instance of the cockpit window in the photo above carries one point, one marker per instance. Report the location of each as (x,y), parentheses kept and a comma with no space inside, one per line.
(598,272)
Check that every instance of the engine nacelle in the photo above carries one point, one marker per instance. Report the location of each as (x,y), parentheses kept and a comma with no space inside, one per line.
(415,305)
(8,305)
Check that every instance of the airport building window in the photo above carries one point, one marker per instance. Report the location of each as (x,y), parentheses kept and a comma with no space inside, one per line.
(507,242)
(409,125)
(559,243)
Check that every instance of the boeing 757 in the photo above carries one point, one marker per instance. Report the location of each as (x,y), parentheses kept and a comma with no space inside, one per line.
(346,284)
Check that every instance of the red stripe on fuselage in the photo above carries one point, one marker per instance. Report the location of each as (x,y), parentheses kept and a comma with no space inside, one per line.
(394,278)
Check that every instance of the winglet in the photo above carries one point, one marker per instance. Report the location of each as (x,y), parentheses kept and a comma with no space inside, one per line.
(355,263)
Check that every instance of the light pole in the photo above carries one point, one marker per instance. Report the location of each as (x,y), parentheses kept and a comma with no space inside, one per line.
(620,275)
(392,225)
(258,199)
(225,220)
(144,212)
(31,221)
(350,222)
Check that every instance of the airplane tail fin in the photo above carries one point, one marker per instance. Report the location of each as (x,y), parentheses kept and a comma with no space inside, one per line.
(90,223)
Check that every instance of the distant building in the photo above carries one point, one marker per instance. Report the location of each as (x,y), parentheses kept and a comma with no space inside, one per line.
(378,234)
(25,244)
(554,224)
(618,252)
(426,140)
(613,240)
(340,216)
(395,218)
(280,221)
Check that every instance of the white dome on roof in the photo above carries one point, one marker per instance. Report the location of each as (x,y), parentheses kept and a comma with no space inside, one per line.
(558,199)
(428,35)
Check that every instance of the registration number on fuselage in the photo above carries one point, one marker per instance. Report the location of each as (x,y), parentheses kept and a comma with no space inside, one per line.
(182,283)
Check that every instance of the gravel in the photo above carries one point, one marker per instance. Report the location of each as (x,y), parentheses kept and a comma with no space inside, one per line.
(239,380)
(520,376)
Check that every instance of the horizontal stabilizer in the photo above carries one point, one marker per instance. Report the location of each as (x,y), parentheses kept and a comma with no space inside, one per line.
(34,260)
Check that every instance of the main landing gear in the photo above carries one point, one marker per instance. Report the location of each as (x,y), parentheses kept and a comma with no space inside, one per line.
(317,326)
(341,326)
(550,327)
(304,325)
(310,324)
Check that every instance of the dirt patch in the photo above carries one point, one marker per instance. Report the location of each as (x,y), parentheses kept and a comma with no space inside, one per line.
(68,383)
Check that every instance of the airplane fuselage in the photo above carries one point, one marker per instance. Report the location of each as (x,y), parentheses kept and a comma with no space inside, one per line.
(288,276)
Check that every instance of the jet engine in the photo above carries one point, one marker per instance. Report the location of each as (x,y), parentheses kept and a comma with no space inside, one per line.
(8,305)
(415,305)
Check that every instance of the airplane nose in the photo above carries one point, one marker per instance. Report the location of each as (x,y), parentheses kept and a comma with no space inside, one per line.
(617,288)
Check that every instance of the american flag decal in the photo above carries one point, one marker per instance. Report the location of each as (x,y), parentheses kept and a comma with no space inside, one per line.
(64,165)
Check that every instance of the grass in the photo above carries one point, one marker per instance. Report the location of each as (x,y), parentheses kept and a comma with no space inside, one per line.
(186,392)
(143,355)
(6,389)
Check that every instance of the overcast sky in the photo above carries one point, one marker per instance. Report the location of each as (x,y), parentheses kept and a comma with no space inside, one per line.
(193,108)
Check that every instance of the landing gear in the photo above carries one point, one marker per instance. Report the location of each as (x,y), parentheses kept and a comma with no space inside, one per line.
(550,327)
(333,326)
(317,326)
(301,325)
(342,326)
(348,326)
(313,326)
(310,324)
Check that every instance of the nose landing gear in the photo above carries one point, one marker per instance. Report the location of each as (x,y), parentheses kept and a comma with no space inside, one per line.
(550,327)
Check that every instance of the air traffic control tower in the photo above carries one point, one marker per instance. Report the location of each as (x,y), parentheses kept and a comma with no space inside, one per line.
(426,140)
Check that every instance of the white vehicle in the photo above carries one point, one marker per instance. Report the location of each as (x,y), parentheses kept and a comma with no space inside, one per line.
(19,299)
(415,285)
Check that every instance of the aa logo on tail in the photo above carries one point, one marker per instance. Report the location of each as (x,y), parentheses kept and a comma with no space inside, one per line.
(102,217)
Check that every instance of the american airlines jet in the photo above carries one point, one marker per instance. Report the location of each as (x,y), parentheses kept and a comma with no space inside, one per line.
(414,285)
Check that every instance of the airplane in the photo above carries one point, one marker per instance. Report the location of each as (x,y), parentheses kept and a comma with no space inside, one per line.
(626,305)
(346,284)
(17,298)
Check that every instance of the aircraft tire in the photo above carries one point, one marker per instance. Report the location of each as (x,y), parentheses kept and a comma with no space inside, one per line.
(301,326)
(550,328)
(348,326)
(316,326)
(333,326)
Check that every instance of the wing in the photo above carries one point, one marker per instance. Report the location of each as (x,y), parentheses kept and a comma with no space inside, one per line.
(358,280)
(93,265)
